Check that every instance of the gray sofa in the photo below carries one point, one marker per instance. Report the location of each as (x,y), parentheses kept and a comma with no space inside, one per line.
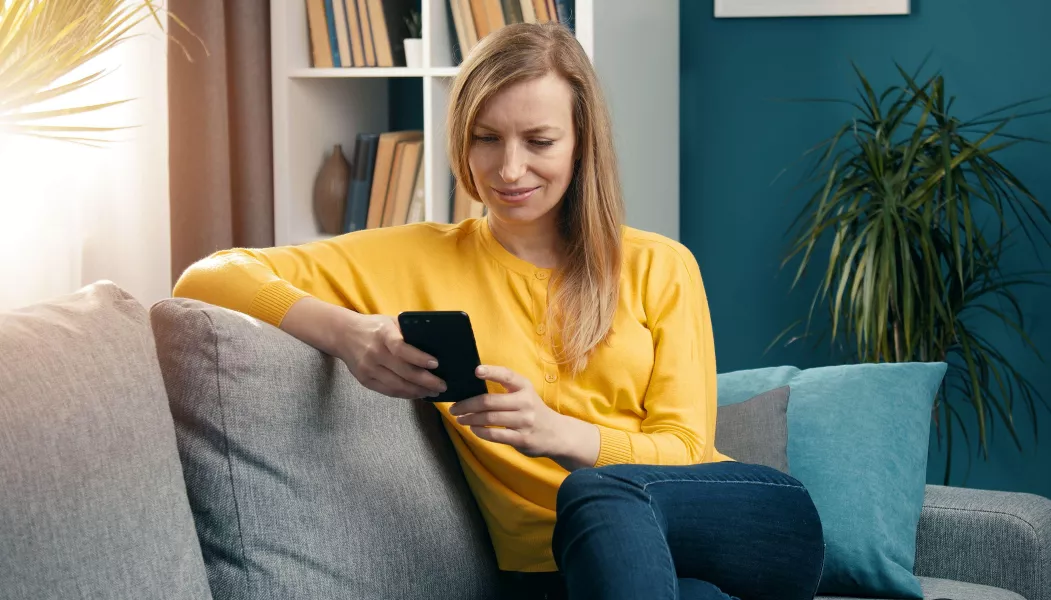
(192,452)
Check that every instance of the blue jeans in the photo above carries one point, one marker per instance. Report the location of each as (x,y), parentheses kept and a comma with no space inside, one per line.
(713,531)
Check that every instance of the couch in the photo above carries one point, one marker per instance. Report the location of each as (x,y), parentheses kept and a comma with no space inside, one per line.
(187,451)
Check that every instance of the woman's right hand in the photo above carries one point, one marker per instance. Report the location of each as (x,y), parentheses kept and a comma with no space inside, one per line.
(374,350)
(370,345)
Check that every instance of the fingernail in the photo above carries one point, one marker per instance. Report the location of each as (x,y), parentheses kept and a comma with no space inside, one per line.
(482,370)
(443,386)
(433,394)
(432,364)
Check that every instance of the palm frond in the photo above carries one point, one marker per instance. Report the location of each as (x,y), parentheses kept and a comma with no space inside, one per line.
(44,44)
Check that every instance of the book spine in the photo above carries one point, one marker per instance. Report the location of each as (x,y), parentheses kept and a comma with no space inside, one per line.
(333,39)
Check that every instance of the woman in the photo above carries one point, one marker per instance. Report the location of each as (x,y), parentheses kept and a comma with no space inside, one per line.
(591,458)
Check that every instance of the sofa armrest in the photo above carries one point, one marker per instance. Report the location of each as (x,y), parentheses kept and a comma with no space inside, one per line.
(1000,539)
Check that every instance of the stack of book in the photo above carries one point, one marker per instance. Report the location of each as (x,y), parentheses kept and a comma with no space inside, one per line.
(371,33)
(358,33)
(388,185)
(475,19)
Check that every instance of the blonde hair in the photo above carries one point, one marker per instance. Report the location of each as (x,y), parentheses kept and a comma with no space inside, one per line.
(586,285)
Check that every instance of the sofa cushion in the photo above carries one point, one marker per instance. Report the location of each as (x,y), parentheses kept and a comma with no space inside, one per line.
(304,483)
(756,430)
(857,439)
(92,498)
(943,589)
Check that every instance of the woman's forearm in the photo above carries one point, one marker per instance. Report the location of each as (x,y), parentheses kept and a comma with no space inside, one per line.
(582,442)
(318,323)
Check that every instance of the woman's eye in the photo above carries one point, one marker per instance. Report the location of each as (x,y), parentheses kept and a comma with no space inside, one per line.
(542,143)
(485,139)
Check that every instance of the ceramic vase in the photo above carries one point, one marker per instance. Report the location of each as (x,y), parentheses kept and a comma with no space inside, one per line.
(330,192)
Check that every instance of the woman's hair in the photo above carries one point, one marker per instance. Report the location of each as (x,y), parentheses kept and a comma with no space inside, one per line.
(586,284)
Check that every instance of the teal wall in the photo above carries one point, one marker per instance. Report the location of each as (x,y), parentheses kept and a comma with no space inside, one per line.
(736,138)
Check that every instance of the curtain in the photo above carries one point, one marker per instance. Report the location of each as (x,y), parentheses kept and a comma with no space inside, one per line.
(73,214)
(221,177)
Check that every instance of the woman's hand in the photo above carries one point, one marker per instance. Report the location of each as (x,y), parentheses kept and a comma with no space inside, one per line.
(529,425)
(381,360)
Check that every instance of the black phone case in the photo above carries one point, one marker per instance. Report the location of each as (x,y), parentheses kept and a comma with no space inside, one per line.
(448,337)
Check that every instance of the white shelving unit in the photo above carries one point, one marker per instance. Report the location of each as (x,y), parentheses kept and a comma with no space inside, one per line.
(634,46)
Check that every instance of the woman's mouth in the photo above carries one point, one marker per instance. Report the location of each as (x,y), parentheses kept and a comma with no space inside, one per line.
(515,194)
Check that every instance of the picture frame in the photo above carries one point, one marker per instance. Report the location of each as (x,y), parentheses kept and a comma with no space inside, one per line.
(809,8)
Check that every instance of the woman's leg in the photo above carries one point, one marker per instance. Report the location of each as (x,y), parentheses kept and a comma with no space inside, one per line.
(631,531)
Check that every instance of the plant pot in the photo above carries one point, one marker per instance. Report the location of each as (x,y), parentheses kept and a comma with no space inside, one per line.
(330,192)
(413,53)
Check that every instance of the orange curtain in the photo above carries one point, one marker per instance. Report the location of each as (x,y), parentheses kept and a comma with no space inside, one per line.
(220,160)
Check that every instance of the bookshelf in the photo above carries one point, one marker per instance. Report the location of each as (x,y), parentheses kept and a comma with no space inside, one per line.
(634,46)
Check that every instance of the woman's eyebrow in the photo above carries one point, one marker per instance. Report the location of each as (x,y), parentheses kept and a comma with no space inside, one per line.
(530,131)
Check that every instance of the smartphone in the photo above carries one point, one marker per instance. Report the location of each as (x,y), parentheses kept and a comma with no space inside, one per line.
(449,338)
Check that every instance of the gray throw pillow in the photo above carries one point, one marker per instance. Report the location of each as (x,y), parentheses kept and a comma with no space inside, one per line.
(305,484)
(756,431)
(92,498)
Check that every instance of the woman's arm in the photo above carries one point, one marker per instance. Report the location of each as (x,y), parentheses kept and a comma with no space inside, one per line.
(310,292)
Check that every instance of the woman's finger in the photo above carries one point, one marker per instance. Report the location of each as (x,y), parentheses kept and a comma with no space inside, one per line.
(512,419)
(510,437)
(485,403)
(391,384)
(413,374)
(511,381)
(409,353)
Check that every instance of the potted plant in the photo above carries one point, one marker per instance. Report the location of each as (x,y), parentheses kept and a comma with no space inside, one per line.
(918,214)
(414,43)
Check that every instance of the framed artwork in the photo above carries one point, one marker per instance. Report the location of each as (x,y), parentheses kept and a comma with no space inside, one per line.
(808,8)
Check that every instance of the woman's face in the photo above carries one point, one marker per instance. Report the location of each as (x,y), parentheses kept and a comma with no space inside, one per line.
(523,149)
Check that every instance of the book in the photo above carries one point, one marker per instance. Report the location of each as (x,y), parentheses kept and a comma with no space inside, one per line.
(342,33)
(382,172)
(357,49)
(333,41)
(403,183)
(355,216)
(317,25)
(417,208)
(366,33)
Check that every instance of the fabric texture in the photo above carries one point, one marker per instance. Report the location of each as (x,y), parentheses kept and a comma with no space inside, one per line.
(703,532)
(92,498)
(650,390)
(1000,539)
(303,483)
(857,439)
(220,128)
(942,589)
(756,431)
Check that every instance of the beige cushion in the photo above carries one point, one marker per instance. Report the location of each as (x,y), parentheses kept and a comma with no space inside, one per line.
(92,498)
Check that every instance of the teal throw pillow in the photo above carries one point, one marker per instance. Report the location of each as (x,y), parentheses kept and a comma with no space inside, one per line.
(857,439)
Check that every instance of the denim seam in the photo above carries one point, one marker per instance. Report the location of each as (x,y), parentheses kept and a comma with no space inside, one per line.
(786,485)
(674,593)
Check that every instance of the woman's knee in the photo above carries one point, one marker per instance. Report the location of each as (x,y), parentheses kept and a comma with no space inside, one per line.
(582,485)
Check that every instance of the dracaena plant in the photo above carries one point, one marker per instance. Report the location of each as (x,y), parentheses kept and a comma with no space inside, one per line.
(911,216)
(44,44)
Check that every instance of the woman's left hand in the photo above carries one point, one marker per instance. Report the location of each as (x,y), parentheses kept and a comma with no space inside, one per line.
(529,425)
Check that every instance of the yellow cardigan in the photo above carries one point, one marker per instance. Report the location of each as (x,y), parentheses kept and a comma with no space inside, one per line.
(651,390)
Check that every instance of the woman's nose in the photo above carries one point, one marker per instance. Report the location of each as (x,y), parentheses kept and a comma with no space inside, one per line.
(513,167)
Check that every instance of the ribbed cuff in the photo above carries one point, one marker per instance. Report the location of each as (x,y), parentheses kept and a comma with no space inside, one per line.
(273,301)
(614,447)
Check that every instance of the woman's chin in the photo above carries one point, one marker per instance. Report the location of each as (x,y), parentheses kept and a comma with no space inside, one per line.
(518,213)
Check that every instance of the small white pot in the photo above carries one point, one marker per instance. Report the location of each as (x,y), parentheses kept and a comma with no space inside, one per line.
(413,53)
